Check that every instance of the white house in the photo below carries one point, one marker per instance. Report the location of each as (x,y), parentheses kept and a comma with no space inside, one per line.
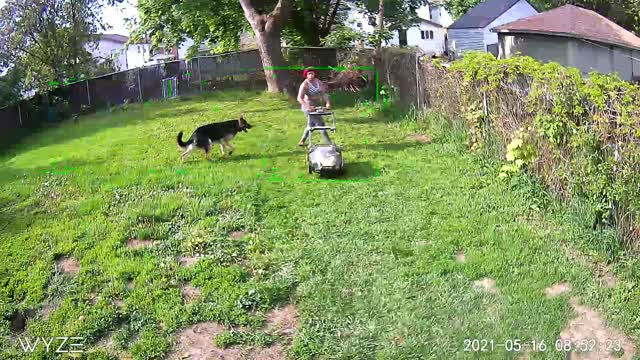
(110,46)
(473,30)
(358,20)
(429,34)
(138,54)
(436,13)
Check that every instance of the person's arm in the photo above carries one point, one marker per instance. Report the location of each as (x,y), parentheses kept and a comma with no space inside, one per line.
(301,93)
(326,96)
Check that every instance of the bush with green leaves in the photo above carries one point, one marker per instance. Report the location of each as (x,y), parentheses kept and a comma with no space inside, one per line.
(520,153)
(342,37)
(582,131)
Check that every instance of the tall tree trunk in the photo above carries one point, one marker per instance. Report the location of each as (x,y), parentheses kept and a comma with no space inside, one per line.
(268,30)
(380,17)
(377,53)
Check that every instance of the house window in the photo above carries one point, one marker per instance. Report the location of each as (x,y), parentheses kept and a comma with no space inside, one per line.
(360,25)
(422,35)
(431,35)
(138,49)
(114,53)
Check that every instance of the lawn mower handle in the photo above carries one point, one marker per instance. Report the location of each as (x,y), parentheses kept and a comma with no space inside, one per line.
(318,128)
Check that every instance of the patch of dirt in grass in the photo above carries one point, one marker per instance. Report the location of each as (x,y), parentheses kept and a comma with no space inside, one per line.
(273,352)
(237,234)
(68,265)
(190,293)
(47,310)
(283,321)
(130,284)
(589,328)
(198,342)
(106,342)
(487,285)
(188,261)
(557,290)
(460,257)
(137,244)
(423,138)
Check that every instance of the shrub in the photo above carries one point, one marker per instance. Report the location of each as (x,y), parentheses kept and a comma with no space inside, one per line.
(582,132)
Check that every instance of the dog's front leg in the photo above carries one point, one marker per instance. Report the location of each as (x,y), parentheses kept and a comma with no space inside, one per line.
(222,149)
(226,142)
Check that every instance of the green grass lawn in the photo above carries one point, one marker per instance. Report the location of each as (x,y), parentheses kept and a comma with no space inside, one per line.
(370,263)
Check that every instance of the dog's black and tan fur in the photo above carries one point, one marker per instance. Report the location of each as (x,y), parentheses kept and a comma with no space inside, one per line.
(205,136)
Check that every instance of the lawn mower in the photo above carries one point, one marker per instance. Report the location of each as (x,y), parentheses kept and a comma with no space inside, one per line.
(324,159)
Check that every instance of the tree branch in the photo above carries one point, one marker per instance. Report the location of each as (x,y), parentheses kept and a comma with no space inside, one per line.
(256,20)
(281,10)
(332,18)
(30,54)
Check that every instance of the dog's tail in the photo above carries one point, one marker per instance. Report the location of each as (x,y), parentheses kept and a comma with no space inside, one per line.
(182,143)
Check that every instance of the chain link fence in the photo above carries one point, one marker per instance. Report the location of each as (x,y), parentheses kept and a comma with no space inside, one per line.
(231,70)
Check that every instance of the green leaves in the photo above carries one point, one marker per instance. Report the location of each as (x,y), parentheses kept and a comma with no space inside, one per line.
(520,153)
(48,37)
(342,37)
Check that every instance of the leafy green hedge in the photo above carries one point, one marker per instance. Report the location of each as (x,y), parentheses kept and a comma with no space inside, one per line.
(580,134)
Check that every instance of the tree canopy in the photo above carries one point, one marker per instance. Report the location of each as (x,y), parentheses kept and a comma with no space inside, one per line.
(48,38)
(11,84)
(222,21)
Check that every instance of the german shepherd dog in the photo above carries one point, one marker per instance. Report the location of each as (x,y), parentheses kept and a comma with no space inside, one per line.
(221,133)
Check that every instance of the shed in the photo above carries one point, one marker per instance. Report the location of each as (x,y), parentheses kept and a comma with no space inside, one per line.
(576,37)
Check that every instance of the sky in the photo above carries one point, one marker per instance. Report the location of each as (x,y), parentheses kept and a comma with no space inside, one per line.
(115,16)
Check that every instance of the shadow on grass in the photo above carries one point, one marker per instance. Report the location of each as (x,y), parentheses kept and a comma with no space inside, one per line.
(383,146)
(9,174)
(356,170)
(303,152)
(241,157)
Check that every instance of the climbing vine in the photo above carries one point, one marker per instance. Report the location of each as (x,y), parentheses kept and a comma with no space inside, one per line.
(580,133)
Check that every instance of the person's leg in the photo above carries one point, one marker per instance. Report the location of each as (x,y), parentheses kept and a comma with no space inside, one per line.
(319,122)
(307,130)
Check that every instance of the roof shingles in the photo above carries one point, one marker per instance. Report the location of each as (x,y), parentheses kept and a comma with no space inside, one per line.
(483,14)
(574,21)
(114,37)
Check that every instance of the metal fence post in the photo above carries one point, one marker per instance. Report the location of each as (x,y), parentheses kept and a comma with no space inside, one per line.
(200,76)
(139,87)
(485,104)
(20,114)
(88,93)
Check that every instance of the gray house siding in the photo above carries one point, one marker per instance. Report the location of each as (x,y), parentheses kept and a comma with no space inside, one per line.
(636,65)
(538,47)
(585,56)
(460,40)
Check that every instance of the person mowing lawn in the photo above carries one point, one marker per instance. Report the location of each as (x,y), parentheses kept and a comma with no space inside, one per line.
(312,93)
